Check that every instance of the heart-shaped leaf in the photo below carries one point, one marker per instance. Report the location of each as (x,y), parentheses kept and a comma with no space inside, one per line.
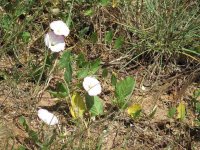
(123,89)
(94,105)
(77,106)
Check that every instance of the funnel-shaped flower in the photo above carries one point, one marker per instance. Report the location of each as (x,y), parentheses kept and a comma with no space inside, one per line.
(59,28)
(92,86)
(55,43)
(47,117)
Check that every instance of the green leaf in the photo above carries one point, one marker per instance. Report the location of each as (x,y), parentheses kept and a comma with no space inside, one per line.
(197,106)
(134,110)
(89,69)
(81,62)
(171,112)
(94,37)
(83,31)
(181,111)
(77,108)
(20,11)
(82,73)
(123,89)
(33,135)
(105,73)
(22,120)
(60,92)
(104,2)
(94,66)
(65,60)
(69,20)
(89,12)
(23,123)
(50,59)
(196,93)
(26,37)
(118,42)
(113,80)
(68,73)
(6,22)
(108,37)
(94,105)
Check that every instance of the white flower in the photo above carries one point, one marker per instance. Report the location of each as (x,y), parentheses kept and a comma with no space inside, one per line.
(54,42)
(59,28)
(92,86)
(47,117)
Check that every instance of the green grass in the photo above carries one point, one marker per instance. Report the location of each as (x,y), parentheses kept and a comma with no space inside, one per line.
(110,39)
(166,28)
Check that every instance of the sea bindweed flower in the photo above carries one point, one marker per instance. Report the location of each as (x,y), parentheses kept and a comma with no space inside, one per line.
(55,43)
(92,86)
(59,28)
(47,117)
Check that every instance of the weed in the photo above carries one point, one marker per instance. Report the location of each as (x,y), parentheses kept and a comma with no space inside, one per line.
(81,77)
(164,27)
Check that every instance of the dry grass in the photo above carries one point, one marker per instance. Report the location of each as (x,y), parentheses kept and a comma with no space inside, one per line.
(144,54)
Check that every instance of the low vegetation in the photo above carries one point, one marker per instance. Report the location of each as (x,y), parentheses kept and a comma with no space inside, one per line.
(99,74)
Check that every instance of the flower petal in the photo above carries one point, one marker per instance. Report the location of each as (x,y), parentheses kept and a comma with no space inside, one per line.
(54,42)
(95,91)
(92,86)
(60,28)
(47,117)
(58,47)
(47,40)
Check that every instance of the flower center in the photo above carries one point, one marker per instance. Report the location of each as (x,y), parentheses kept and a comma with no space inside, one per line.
(53,43)
(58,30)
(91,86)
